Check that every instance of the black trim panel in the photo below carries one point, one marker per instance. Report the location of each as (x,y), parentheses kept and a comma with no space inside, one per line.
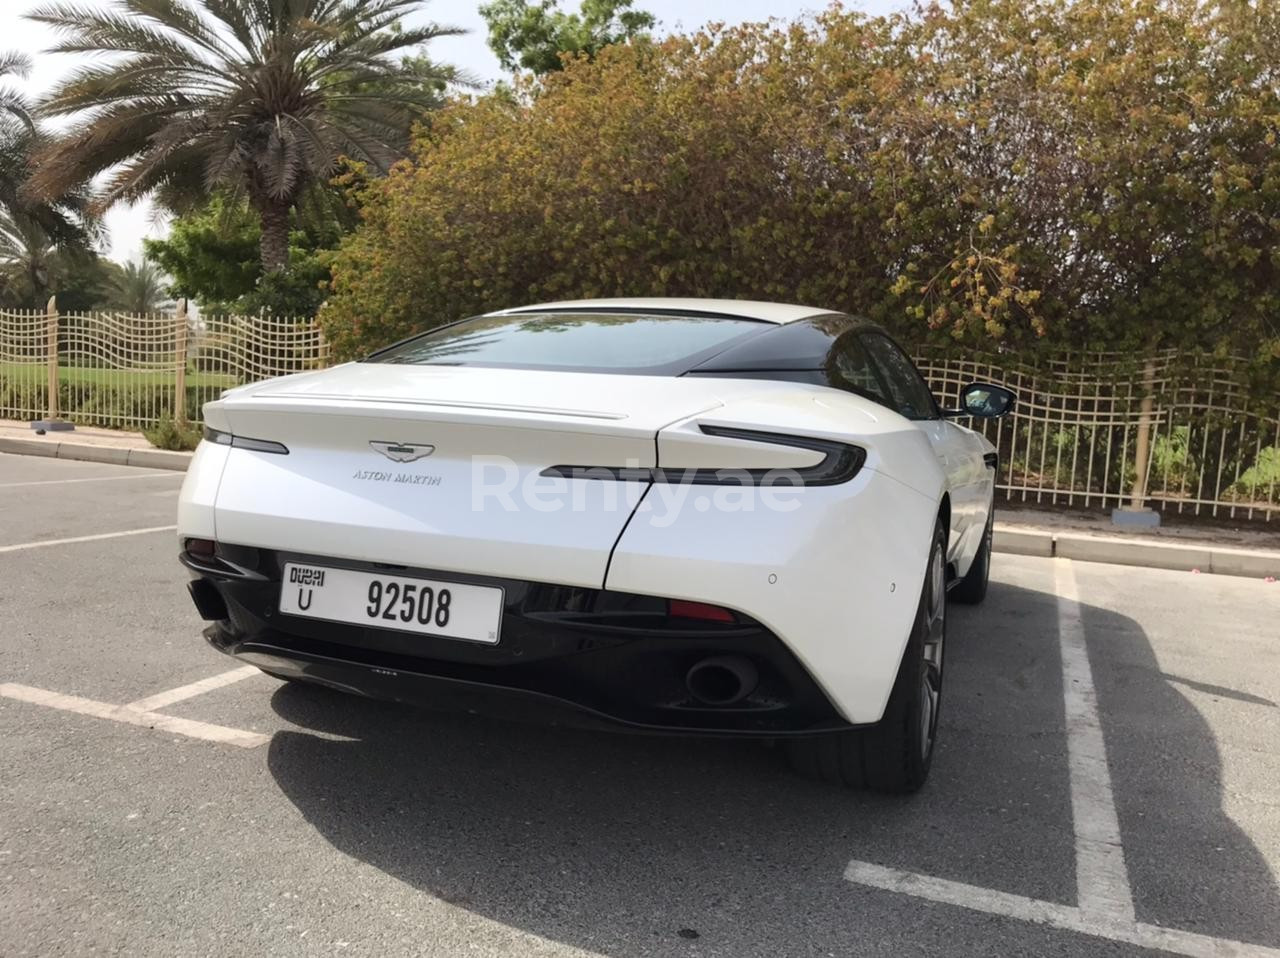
(614,656)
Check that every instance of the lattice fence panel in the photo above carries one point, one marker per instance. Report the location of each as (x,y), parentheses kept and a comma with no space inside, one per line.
(250,349)
(117,369)
(1073,437)
(24,367)
(122,371)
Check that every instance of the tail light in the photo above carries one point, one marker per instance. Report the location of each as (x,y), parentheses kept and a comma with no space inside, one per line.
(840,462)
(243,442)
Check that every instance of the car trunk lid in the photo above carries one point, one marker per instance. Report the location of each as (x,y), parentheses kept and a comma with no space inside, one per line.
(439,467)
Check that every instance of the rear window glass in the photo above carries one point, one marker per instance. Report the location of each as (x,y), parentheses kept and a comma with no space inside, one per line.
(589,342)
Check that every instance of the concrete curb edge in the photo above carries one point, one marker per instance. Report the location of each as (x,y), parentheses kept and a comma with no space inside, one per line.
(112,455)
(1199,557)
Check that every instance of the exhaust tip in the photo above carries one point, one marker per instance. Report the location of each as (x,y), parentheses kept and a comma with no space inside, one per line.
(208,600)
(722,679)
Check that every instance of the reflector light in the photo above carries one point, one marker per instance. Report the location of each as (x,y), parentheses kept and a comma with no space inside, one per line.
(682,609)
(200,547)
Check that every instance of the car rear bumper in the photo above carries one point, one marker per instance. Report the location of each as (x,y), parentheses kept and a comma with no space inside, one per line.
(567,655)
(837,577)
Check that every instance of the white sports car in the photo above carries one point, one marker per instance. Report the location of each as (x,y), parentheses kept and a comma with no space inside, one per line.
(689,516)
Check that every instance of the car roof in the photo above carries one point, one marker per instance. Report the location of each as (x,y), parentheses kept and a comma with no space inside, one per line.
(739,308)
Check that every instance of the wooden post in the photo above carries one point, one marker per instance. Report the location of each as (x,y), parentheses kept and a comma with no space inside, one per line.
(180,364)
(1142,444)
(51,312)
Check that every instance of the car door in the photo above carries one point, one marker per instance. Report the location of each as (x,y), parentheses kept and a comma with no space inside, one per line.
(958,452)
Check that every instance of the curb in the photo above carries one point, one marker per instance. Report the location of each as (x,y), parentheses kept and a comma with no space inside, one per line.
(1222,560)
(112,455)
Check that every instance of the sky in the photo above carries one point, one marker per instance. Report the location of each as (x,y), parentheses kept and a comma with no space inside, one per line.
(128,225)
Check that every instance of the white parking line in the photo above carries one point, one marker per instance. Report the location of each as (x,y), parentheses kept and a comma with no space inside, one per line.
(131,716)
(64,482)
(1104,906)
(42,543)
(1065,917)
(182,693)
(1102,881)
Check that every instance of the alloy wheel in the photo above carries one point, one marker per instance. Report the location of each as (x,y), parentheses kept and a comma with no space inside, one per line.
(934,640)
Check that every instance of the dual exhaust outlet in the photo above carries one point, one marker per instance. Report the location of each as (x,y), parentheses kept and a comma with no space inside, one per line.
(722,679)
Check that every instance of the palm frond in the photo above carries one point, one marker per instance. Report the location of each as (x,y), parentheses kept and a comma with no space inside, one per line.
(14,64)
(15,110)
(184,21)
(83,29)
(137,287)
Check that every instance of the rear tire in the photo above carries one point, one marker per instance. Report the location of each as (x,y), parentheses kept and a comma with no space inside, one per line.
(895,754)
(972,589)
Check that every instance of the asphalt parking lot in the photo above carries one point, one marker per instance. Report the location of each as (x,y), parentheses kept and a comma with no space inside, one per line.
(1108,782)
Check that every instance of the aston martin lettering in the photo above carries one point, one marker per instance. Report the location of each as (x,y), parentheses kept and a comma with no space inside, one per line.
(400,478)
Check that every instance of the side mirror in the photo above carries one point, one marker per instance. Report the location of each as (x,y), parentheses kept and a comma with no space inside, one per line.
(984,401)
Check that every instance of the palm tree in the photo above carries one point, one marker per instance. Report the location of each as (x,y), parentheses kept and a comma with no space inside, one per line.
(261,97)
(136,287)
(27,257)
(33,232)
(16,132)
(34,265)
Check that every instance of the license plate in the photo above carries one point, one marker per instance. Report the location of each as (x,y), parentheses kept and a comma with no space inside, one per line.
(450,609)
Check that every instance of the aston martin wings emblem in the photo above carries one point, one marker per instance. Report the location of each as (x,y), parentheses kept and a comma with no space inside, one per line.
(402,451)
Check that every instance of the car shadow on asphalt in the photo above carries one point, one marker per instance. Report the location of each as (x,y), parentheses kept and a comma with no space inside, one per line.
(1190,865)
(629,845)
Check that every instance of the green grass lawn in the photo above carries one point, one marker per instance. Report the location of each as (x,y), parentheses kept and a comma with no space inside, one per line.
(87,376)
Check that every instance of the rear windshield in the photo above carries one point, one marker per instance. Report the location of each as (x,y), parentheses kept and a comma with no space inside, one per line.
(587,342)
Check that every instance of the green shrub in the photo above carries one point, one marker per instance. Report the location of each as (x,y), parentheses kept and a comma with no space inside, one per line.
(180,437)
(1261,481)
(1058,174)
(1172,464)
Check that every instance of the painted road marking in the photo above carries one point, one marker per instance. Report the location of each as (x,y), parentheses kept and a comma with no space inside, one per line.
(63,482)
(40,544)
(182,693)
(1104,906)
(1052,914)
(1102,880)
(131,716)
